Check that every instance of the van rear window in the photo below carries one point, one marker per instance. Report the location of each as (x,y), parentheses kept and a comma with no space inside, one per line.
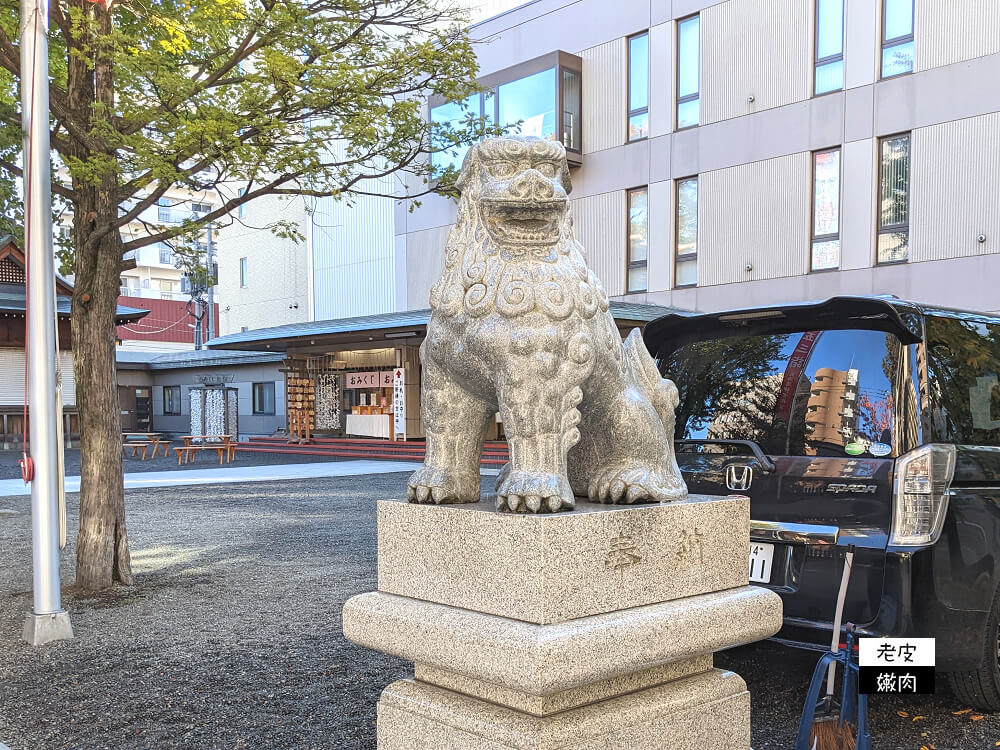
(963,367)
(811,393)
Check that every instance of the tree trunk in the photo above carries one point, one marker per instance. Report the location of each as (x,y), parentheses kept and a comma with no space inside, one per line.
(102,555)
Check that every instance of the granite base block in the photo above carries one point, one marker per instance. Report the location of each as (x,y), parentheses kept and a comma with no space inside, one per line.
(545,659)
(708,710)
(545,705)
(548,568)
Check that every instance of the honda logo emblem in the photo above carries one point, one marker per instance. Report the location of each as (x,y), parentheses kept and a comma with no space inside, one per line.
(739,477)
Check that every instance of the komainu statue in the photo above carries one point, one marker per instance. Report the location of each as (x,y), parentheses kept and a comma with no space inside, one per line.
(520,325)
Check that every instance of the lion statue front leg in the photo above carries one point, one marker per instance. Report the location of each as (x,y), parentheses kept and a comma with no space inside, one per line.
(456,423)
(540,418)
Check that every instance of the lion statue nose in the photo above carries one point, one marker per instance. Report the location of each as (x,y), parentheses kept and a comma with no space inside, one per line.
(532,185)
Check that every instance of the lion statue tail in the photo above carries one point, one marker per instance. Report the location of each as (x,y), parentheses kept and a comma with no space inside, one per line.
(661,392)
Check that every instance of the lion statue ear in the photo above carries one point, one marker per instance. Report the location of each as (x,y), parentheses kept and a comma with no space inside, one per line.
(564,175)
(469,164)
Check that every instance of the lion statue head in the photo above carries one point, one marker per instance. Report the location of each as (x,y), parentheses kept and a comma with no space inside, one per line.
(513,231)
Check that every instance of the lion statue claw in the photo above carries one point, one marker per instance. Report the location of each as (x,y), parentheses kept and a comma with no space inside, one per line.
(520,325)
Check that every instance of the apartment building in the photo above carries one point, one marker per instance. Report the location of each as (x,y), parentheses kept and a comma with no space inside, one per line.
(754,151)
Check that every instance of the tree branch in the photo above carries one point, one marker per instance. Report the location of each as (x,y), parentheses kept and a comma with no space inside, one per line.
(57,187)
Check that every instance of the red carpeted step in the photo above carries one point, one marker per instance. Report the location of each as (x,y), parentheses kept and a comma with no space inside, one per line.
(371,455)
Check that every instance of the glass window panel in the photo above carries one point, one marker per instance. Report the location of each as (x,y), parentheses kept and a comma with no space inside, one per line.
(687,272)
(638,68)
(452,114)
(687,216)
(826,193)
(637,279)
(638,126)
(898,19)
(963,363)
(825,255)
(897,60)
(688,56)
(688,113)
(893,247)
(894,192)
(571,92)
(808,393)
(638,225)
(830,77)
(490,106)
(829,28)
(530,100)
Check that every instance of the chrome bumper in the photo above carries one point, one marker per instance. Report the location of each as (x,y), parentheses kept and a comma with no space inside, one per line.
(793,533)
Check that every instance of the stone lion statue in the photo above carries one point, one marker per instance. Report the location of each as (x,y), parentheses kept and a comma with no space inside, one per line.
(520,325)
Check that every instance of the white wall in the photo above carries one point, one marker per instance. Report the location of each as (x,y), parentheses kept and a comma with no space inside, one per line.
(12,377)
(278,277)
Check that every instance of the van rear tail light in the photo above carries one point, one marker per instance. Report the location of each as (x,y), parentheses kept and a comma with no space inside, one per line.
(920,494)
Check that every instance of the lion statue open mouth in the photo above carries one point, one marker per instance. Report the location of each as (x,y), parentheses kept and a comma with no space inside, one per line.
(520,325)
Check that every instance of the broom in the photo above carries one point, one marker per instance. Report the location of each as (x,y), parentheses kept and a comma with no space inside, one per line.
(830,731)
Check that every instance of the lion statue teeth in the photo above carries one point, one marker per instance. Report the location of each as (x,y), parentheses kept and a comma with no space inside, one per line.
(520,325)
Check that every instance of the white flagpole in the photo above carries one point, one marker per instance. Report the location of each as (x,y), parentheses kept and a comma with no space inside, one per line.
(47,621)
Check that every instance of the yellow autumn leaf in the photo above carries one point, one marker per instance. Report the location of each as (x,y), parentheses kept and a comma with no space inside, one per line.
(977,717)
(902,713)
(963,711)
(916,718)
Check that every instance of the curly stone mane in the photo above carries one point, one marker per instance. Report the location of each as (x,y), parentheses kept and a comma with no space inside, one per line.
(482,275)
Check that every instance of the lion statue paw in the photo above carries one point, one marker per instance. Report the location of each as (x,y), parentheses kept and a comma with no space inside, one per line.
(533,492)
(634,484)
(430,485)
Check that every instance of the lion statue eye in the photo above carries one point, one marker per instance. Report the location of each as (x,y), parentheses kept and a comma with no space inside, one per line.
(547,168)
(501,168)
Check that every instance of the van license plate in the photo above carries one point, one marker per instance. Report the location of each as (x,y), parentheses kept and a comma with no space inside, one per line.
(761,558)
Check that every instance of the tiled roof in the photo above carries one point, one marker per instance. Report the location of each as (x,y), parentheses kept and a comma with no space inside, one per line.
(191,358)
(12,300)
(409,319)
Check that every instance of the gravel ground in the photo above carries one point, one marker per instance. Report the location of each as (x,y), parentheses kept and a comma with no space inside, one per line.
(231,637)
(9,468)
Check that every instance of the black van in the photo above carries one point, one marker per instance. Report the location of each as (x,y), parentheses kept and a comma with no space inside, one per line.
(863,421)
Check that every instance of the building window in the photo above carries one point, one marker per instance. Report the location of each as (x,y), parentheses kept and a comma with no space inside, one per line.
(688,72)
(243,206)
(638,240)
(897,37)
(166,254)
(453,115)
(894,199)
(164,211)
(829,46)
(172,399)
(826,210)
(686,256)
(543,101)
(263,398)
(243,273)
(201,208)
(638,86)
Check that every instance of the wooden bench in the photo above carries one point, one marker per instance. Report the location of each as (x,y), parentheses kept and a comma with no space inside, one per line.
(144,446)
(184,451)
(148,437)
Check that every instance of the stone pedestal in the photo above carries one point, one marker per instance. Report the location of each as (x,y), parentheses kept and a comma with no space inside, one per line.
(592,629)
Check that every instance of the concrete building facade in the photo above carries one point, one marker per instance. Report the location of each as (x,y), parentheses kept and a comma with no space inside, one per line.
(756,151)
(155,391)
